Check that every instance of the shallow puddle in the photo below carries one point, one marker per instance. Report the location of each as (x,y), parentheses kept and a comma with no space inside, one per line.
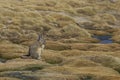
(106,39)
(2,60)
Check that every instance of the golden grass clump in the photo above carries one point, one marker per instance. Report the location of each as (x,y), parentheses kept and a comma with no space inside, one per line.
(9,50)
(99,32)
(70,40)
(105,18)
(28,38)
(110,78)
(116,36)
(109,47)
(8,78)
(84,47)
(75,62)
(105,60)
(103,71)
(11,35)
(90,11)
(61,69)
(71,53)
(77,53)
(61,19)
(13,27)
(74,31)
(54,33)
(95,47)
(56,76)
(76,4)
(101,26)
(108,18)
(101,48)
(22,64)
(53,57)
(54,45)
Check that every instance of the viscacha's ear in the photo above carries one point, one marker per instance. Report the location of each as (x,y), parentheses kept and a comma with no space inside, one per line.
(39,37)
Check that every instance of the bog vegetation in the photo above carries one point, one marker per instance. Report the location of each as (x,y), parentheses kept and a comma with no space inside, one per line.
(71,52)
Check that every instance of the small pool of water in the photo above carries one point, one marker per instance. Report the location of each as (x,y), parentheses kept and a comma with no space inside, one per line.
(106,39)
(2,60)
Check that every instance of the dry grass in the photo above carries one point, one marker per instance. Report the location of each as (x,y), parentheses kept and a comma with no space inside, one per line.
(105,60)
(48,15)
(53,57)
(23,15)
(54,34)
(22,64)
(90,11)
(78,53)
(9,50)
(59,77)
(110,19)
(54,45)
(76,62)
(74,31)
(67,23)
(82,70)
(111,78)
(95,47)
(8,78)
(99,32)
(116,35)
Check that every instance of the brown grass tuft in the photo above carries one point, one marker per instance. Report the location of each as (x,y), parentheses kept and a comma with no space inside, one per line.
(22,64)
(9,50)
(57,46)
(8,78)
(53,57)
(86,10)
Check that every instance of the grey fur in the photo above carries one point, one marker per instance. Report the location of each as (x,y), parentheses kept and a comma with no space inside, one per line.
(36,49)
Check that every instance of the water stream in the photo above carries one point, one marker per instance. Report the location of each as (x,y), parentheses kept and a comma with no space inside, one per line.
(105,39)
(2,60)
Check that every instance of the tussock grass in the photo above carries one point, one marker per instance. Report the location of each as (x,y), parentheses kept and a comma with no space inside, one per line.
(73,31)
(77,62)
(78,53)
(54,33)
(20,65)
(8,78)
(33,15)
(99,32)
(82,70)
(57,46)
(90,11)
(110,78)
(110,19)
(67,23)
(95,47)
(116,36)
(53,57)
(105,60)
(9,50)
